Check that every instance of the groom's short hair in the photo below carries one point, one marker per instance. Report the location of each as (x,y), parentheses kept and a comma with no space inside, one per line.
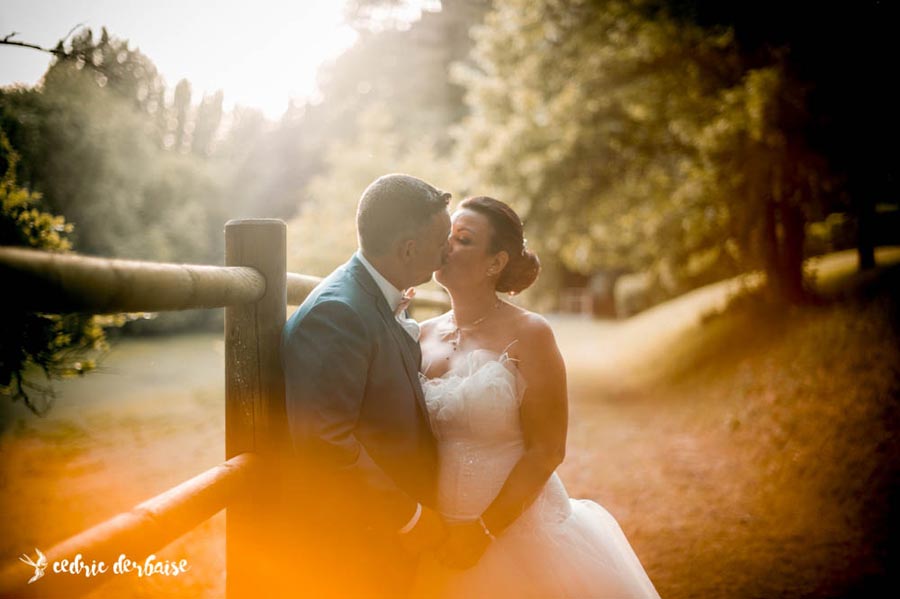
(394,207)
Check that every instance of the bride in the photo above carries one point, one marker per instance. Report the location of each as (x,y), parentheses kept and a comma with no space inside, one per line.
(495,388)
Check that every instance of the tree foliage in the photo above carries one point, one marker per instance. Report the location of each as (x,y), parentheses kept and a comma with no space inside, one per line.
(402,67)
(97,141)
(627,137)
(94,147)
(387,105)
(628,133)
(59,345)
(323,235)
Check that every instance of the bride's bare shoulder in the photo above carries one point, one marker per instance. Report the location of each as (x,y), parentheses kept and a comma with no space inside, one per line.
(532,329)
(529,322)
(536,349)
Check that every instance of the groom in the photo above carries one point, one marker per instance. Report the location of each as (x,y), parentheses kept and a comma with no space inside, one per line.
(355,407)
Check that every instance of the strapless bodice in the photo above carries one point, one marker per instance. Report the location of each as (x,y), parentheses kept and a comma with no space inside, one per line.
(474,414)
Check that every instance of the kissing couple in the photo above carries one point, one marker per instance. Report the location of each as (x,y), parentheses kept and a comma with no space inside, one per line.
(426,452)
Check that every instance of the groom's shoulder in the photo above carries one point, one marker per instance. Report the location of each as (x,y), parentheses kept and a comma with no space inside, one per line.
(340,290)
(341,285)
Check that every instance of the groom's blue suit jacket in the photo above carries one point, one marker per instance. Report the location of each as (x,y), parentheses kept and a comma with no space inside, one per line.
(354,402)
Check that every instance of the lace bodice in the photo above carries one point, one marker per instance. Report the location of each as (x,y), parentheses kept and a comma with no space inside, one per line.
(478,401)
(474,413)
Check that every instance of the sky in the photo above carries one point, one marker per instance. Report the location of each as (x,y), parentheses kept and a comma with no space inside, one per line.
(260,53)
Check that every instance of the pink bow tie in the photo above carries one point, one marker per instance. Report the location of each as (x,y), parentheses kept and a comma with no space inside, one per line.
(407,297)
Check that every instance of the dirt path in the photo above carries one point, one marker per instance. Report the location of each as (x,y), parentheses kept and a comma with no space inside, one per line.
(743,481)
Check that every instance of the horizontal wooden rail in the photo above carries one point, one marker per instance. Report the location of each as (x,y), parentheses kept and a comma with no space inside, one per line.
(57,283)
(137,533)
(299,286)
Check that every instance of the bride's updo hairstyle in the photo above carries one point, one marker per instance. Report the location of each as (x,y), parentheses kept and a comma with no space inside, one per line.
(523,266)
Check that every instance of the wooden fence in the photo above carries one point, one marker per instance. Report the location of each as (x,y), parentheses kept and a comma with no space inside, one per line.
(255,289)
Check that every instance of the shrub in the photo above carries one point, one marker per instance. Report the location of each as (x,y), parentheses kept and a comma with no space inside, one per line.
(59,345)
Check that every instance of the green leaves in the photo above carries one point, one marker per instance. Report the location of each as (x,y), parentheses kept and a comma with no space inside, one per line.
(627,138)
(323,235)
(58,345)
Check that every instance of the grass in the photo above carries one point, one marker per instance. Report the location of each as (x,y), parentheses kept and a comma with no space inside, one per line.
(747,452)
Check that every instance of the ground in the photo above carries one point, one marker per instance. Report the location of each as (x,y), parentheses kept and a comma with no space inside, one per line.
(747,454)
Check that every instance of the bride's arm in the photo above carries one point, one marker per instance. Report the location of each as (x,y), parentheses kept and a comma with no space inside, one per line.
(544,416)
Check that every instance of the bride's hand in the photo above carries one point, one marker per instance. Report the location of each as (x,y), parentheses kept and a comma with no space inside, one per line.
(428,533)
(464,546)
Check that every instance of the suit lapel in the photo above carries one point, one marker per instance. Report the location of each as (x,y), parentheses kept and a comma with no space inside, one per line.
(409,349)
(411,360)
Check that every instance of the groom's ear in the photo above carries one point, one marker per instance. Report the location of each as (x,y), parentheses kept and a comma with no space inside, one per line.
(406,250)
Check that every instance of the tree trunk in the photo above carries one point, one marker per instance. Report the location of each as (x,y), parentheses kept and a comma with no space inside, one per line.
(770,249)
(791,254)
(783,237)
(865,242)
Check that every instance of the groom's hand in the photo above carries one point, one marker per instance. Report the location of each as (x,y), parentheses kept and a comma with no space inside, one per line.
(428,533)
(464,546)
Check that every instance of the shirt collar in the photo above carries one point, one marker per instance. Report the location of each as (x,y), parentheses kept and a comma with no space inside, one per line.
(391,294)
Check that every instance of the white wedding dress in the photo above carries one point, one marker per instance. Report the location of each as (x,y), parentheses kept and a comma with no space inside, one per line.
(559,547)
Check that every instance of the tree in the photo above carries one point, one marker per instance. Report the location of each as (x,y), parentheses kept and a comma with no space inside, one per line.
(181,106)
(379,15)
(113,65)
(59,345)
(841,50)
(112,62)
(93,138)
(254,164)
(91,146)
(631,138)
(208,122)
(402,66)
(323,235)
(756,151)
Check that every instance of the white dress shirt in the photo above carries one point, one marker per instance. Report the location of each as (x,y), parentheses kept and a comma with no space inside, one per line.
(393,296)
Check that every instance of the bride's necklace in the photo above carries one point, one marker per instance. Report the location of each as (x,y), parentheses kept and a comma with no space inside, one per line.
(456,333)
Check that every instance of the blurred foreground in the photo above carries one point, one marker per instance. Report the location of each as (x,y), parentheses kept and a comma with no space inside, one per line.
(748,454)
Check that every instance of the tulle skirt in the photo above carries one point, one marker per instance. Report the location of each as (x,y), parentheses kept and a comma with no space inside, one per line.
(585,554)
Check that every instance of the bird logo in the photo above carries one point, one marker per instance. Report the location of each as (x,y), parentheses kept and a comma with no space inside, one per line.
(38,566)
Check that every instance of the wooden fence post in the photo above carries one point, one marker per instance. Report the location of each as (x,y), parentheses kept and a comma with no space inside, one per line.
(255,419)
